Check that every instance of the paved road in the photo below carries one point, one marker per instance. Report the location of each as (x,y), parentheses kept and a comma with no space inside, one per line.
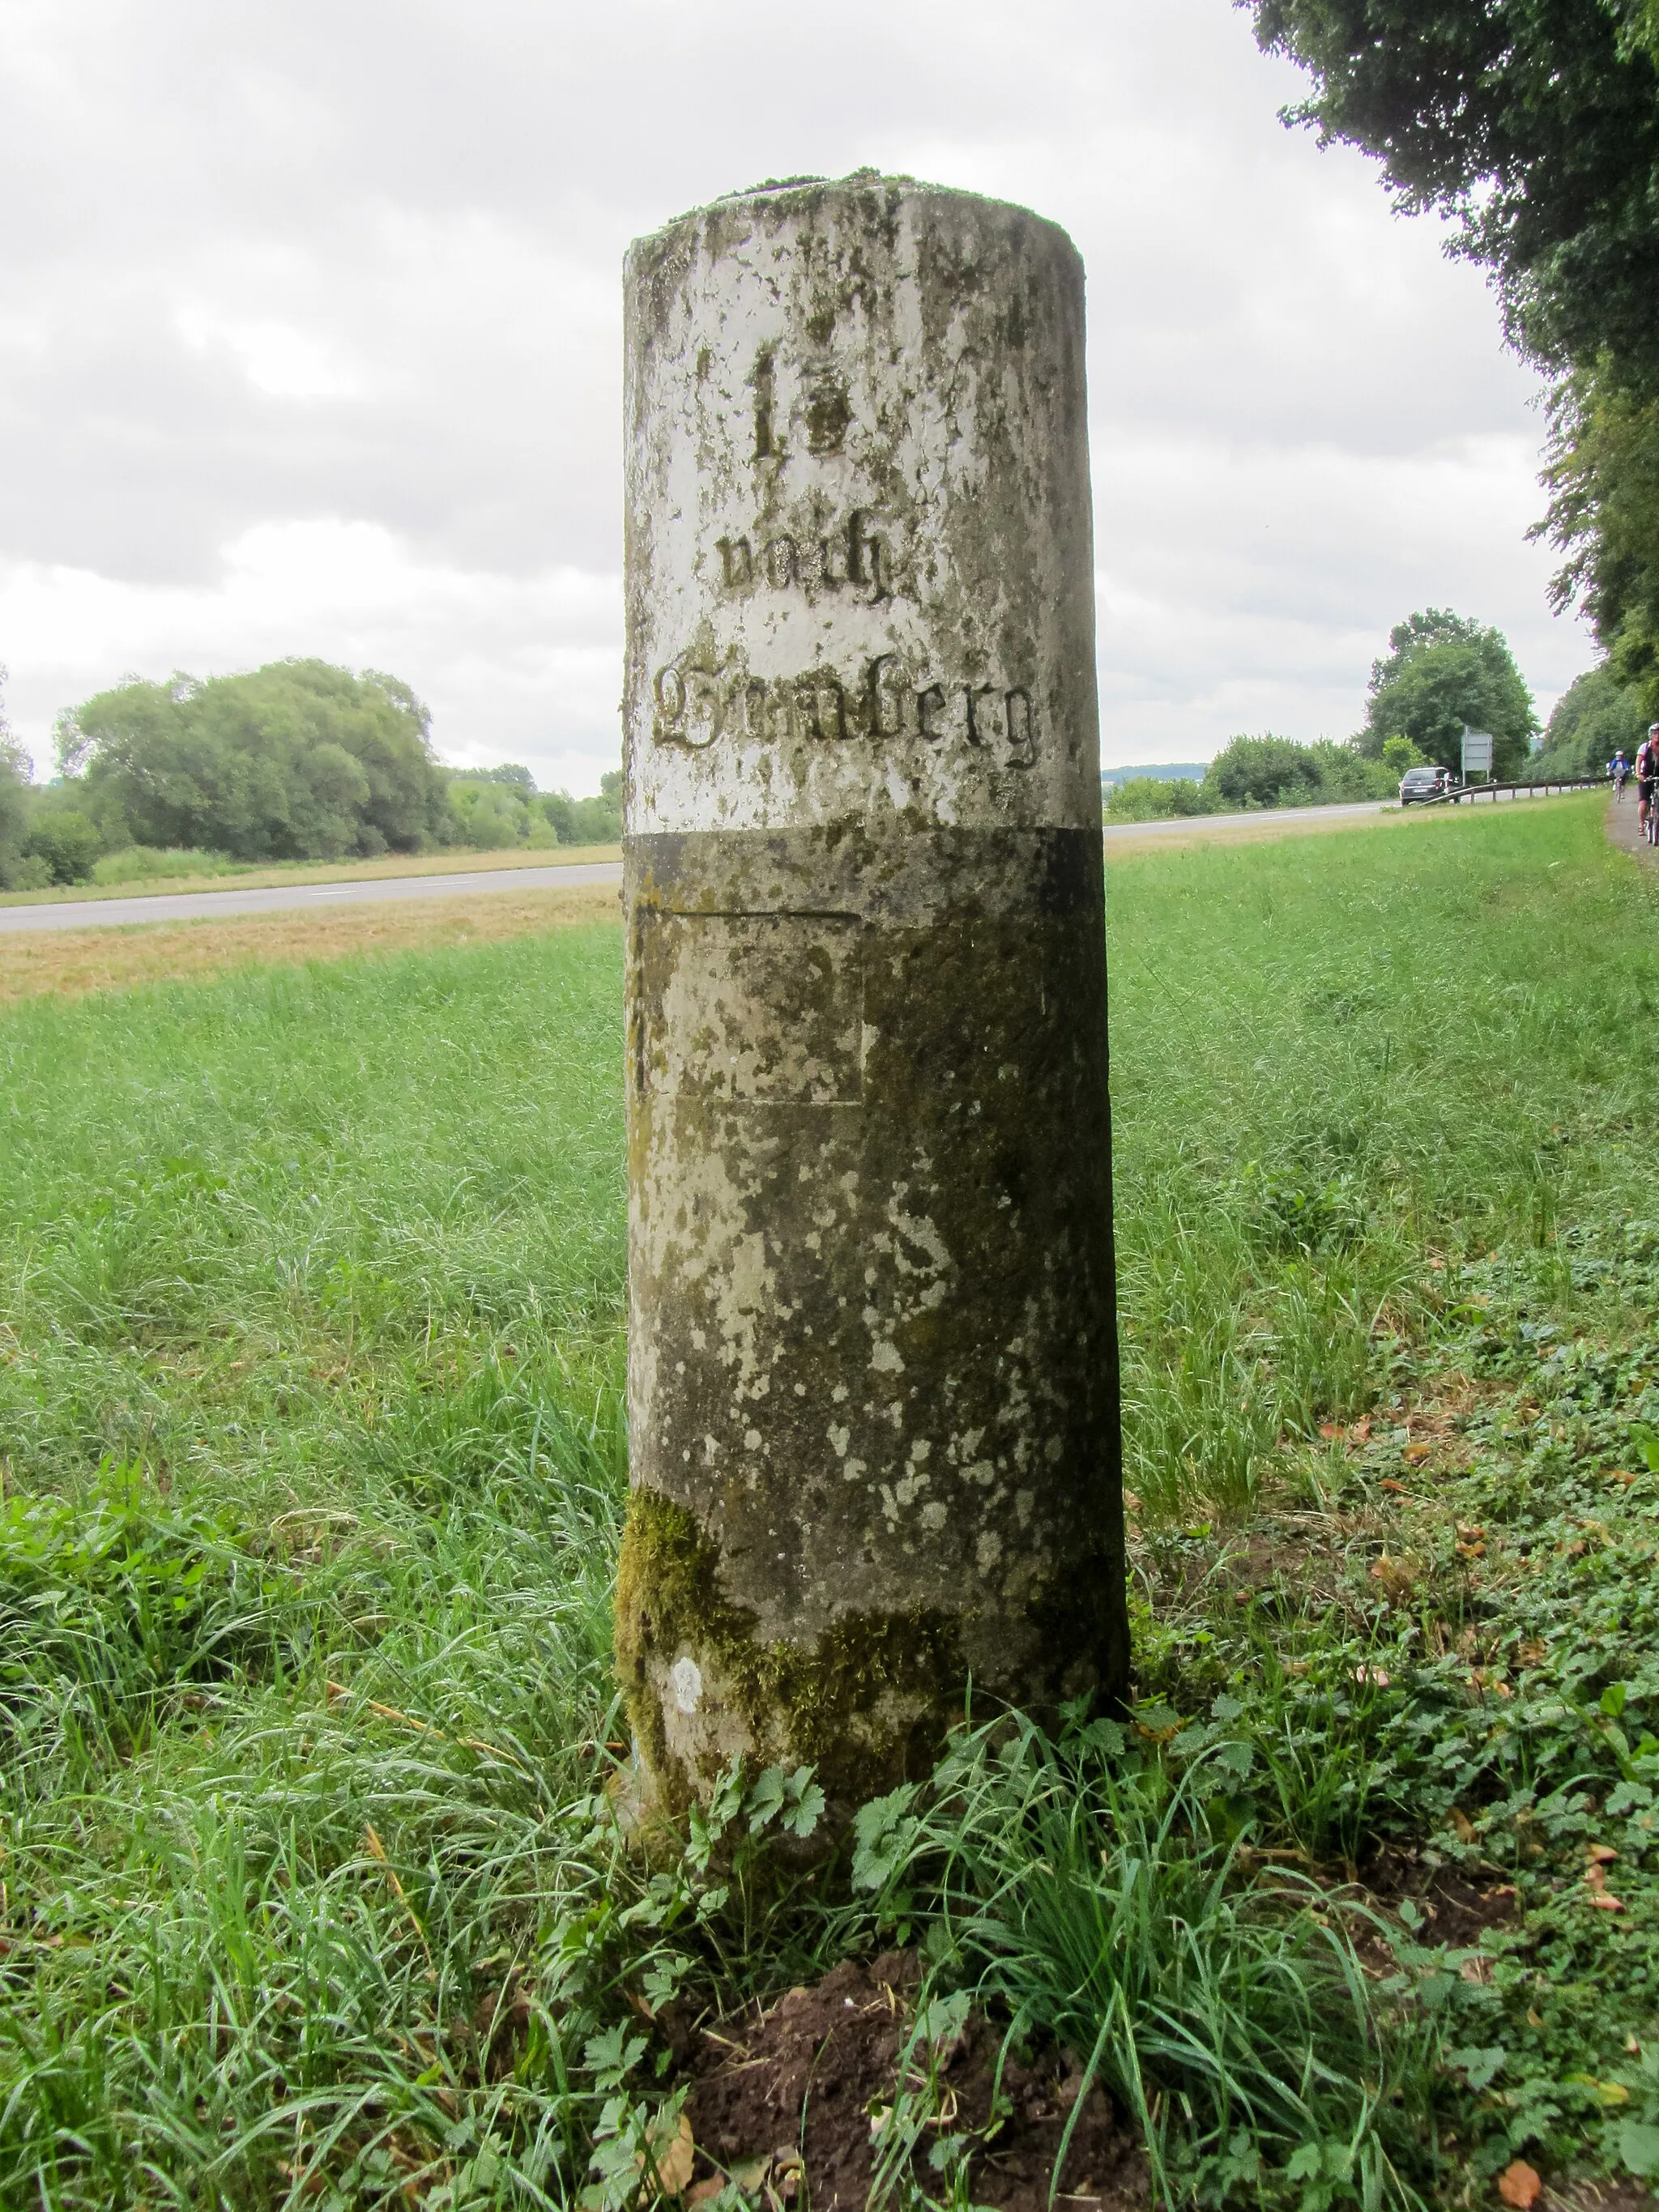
(1621,823)
(276,898)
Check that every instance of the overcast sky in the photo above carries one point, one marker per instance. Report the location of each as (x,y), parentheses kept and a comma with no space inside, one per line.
(310,335)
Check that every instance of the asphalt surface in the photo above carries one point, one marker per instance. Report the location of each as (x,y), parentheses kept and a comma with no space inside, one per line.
(277,898)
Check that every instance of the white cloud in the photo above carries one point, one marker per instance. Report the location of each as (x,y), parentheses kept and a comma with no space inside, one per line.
(310,342)
(276,358)
(519,666)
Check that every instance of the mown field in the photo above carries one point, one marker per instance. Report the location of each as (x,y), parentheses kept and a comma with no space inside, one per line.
(310,1297)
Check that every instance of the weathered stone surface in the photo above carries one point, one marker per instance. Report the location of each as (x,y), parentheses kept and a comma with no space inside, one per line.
(873,1375)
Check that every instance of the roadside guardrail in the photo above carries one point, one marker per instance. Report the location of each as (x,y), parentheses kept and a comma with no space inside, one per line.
(1548,789)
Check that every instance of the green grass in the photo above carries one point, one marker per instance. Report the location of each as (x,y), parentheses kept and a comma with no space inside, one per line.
(310,1295)
(1331,1064)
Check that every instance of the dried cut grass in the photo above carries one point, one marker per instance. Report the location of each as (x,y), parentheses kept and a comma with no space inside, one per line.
(68,963)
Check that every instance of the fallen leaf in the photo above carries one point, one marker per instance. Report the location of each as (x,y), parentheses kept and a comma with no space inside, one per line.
(1603,1854)
(1397,1576)
(1131,1501)
(674,2156)
(1468,1533)
(1333,1431)
(1416,1454)
(1398,1489)
(1532,1653)
(1606,1901)
(1361,1430)
(1519,2184)
(1379,1675)
(701,2191)
(1463,1827)
(1471,1551)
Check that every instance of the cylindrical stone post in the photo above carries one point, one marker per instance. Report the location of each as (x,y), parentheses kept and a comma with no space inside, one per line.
(872,1357)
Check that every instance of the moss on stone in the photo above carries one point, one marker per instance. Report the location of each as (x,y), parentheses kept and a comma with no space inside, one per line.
(866,1705)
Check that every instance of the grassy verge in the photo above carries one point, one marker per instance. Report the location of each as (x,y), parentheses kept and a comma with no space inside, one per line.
(310,1288)
(69,963)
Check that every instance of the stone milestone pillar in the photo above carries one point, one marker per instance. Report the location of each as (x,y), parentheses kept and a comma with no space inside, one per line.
(872,1360)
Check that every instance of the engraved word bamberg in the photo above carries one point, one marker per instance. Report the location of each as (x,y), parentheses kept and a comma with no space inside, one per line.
(697,704)
(852,553)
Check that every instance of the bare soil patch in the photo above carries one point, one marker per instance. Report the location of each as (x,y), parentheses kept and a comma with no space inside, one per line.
(797,2092)
(1457,1909)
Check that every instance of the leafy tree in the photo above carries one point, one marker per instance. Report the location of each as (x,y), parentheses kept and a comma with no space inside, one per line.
(1251,772)
(1154,799)
(1266,771)
(1532,124)
(494,809)
(1603,478)
(298,760)
(15,770)
(1590,722)
(1399,755)
(1269,771)
(1443,671)
(500,806)
(66,842)
(587,821)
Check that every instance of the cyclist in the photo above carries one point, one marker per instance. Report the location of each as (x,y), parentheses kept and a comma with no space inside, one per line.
(1618,769)
(1647,773)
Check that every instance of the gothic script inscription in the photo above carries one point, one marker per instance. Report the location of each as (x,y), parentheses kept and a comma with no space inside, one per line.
(696,706)
(849,556)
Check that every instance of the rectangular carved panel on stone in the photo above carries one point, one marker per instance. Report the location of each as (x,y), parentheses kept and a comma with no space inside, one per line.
(765,1009)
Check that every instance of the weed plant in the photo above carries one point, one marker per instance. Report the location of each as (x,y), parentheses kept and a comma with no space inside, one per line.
(310,1295)
(1086,1888)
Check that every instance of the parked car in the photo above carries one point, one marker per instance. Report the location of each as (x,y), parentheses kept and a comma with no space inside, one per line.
(1418,784)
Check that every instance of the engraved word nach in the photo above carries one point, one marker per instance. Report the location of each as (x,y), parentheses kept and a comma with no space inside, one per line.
(852,554)
(696,706)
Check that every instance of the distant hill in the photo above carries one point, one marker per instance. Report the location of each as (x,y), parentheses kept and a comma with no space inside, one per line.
(1160,771)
